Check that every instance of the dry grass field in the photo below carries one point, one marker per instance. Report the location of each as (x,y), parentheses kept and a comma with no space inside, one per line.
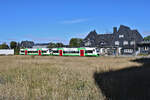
(55,78)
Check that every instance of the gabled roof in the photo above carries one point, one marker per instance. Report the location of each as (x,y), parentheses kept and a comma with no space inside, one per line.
(105,38)
(109,39)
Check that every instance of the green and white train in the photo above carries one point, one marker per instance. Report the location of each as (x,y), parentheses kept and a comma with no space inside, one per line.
(85,51)
(39,51)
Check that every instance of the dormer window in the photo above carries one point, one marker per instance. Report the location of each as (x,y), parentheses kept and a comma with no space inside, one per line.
(125,43)
(121,36)
(117,43)
(88,43)
(102,43)
(132,43)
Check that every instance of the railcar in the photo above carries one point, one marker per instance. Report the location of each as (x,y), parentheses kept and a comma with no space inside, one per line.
(39,51)
(75,51)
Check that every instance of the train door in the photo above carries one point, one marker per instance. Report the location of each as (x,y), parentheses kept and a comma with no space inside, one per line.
(60,52)
(81,52)
(40,52)
(26,52)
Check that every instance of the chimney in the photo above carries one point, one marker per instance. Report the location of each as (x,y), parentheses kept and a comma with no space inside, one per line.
(115,30)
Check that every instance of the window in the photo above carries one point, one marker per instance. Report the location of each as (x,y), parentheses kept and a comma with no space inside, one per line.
(88,43)
(32,51)
(102,43)
(55,51)
(121,36)
(145,48)
(44,51)
(128,50)
(29,51)
(88,51)
(116,42)
(35,51)
(22,51)
(71,52)
(132,43)
(125,43)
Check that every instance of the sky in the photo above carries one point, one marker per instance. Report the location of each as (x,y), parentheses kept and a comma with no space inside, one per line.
(45,21)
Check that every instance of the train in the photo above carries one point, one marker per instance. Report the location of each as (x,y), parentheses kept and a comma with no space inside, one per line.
(82,51)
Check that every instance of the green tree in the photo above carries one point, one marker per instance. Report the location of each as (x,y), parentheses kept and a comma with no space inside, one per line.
(4,46)
(147,38)
(51,45)
(58,45)
(13,44)
(75,42)
(17,49)
(55,45)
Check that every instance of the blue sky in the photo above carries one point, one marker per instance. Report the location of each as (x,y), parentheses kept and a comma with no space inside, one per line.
(60,20)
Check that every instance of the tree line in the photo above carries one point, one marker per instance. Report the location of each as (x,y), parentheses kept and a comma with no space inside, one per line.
(147,38)
(13,45)
(74,42)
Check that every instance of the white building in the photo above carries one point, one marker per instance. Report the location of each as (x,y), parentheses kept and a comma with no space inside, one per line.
(6,51)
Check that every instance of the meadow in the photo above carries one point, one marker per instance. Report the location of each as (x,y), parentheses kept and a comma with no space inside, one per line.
(56,78)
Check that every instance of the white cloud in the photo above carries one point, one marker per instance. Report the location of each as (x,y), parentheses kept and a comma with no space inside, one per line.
(74,21)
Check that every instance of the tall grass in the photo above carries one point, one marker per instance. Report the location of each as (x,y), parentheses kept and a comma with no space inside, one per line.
(54,78)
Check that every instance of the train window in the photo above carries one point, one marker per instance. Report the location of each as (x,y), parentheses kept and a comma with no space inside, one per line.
(22,51)
(32,51)
(71,52)
(76,51)
(50,50)
(44,51)
(65,52)
(55,51)
(29,51)
(88,51)
(35,51)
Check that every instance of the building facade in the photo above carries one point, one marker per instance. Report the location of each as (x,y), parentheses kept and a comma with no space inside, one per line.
(144,47)
(27,44)
(121,41)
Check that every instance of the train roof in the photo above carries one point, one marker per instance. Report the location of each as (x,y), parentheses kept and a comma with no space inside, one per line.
(35,49)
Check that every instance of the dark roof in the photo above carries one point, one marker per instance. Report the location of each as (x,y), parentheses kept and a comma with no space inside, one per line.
(106,38)
(109,39)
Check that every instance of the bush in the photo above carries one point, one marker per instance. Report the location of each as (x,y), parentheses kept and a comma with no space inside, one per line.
(16,51)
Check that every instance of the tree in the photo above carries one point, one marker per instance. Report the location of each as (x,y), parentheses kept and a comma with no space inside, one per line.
(58,45)
(13,44)
(17,49)
(4,46)
(55,45)
(147,38)
(75,42)
(51,45)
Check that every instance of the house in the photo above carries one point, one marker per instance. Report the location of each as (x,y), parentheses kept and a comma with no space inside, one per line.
(144,47)
(121,41)
(27,44)
(7,52)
